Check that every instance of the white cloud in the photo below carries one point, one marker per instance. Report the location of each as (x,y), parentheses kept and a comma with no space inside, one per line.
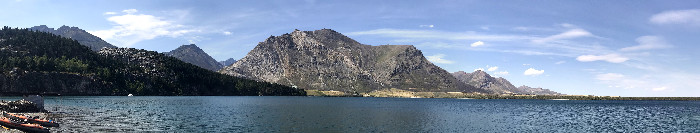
(659,88)
(227,33)
(130,11)
(493,68)
(477,43)
(132,28)
(109,13)
(689,17)
(573,33)
(648,43)
(479,69)
(612,58)
(560,62)
(429,26)
(438,58)
(533,72)
(526,64)
(610,77)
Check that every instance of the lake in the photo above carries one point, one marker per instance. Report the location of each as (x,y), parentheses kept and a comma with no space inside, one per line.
(365,114)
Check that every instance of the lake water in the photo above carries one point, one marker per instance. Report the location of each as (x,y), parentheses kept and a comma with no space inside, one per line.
(358,114)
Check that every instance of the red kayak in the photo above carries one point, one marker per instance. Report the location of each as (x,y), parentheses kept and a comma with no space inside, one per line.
(42,122)
(32,128)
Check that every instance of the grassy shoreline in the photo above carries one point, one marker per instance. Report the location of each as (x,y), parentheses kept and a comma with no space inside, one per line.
(398,93)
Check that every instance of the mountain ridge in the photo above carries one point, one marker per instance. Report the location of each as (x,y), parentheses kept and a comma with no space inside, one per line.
(499,85)
(83,37)
(196,56)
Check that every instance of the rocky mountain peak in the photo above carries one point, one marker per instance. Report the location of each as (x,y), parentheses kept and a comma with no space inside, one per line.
(196,56)
(327,60)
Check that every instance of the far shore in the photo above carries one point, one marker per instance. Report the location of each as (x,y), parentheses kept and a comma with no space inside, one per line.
(398,93)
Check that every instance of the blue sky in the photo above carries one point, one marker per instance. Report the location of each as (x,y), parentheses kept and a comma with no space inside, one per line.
(620,48)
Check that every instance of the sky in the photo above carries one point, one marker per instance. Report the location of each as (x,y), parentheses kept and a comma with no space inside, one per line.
(607,48)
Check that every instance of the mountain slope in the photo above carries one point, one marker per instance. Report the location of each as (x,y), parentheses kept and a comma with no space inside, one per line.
(483,80)
(43,63)
(327,60)
(75,33)
(194,55)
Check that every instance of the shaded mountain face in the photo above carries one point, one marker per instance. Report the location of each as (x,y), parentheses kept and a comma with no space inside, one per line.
(327,60)
(483,80)
(196,56)
(75,33)
(44,63)
(228,62)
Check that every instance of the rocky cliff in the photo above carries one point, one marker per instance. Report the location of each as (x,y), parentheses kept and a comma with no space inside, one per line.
(483,80)
(196,56)
(327,60)
(84,38)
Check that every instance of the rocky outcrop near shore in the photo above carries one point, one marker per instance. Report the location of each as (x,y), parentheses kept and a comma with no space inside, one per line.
(19,106)
(327,60)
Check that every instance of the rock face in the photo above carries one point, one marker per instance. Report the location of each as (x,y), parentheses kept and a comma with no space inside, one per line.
(483,80)
(196,56)
(75,33)
(327,60)
(228,62)
(19,106)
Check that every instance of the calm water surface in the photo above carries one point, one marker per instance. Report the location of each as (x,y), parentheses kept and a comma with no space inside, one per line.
(337,114)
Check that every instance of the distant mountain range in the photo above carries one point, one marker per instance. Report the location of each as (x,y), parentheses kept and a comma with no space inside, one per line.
(327,60)
(483,80)
(228,62)
(194,55)
(75,33)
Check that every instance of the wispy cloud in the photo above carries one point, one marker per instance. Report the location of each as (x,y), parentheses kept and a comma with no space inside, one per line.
(685,17)
(648,43)
(426,26)
(443,35)
(439,59)
(573,33)
(131,28)
(612,58)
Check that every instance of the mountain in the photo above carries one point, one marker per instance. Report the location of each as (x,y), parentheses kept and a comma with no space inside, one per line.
(43,63)
(483,80)
(327,60)
(75,33)
(228,62)
(194,55)
(537,91)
